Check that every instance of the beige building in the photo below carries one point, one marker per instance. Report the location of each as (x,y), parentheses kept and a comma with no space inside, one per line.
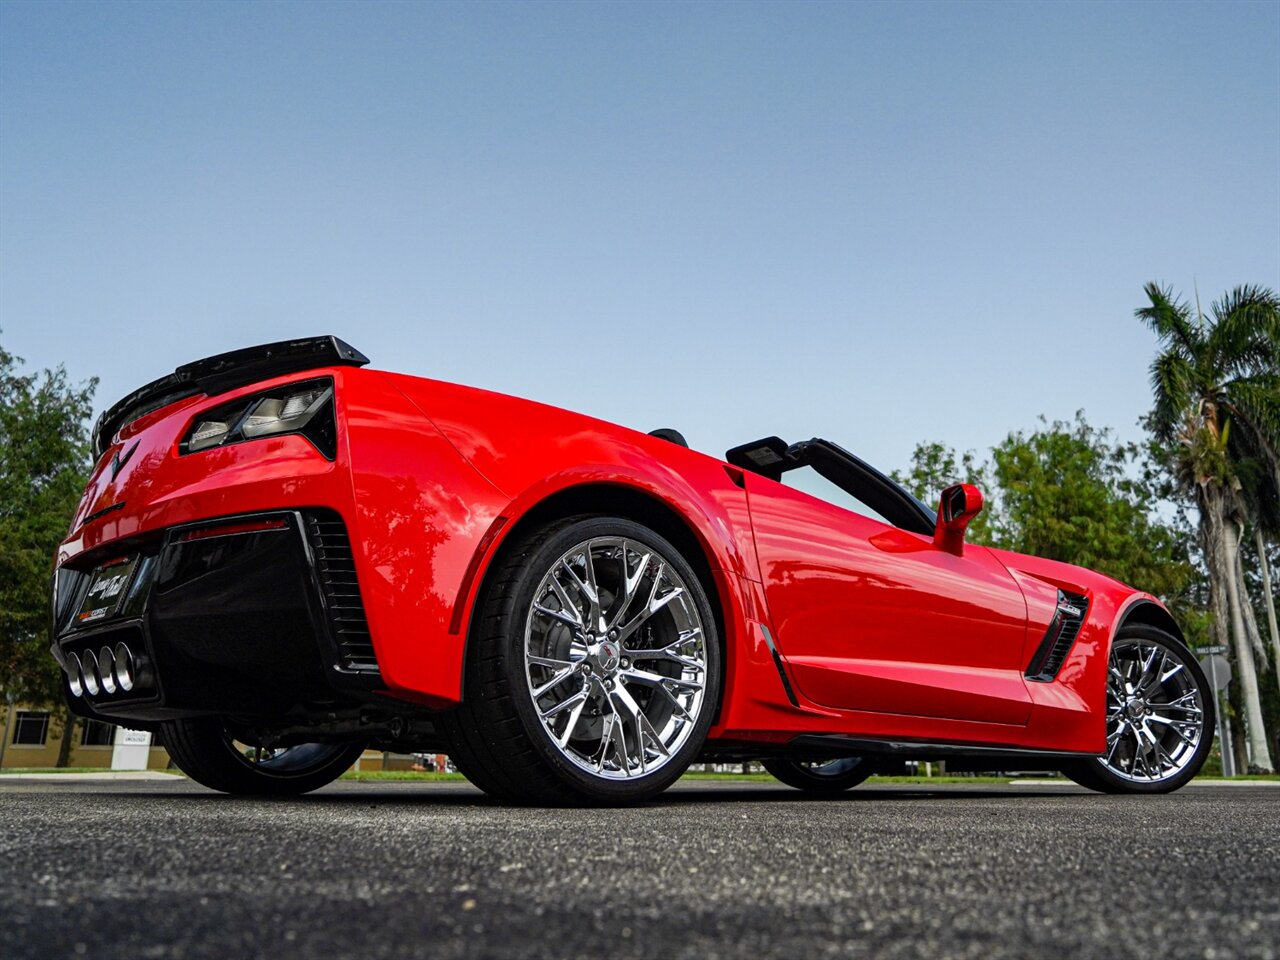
(33,738)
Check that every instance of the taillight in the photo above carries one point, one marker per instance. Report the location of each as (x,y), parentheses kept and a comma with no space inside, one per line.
(295,408)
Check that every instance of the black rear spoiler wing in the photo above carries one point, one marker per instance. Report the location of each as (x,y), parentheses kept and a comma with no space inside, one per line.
(226,371)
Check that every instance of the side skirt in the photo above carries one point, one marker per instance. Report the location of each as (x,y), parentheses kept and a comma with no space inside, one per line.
(959,756)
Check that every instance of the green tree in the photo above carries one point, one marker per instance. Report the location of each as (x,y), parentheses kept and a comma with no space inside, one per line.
(934,467)
(1216,385)
(1069,492)
(44,463)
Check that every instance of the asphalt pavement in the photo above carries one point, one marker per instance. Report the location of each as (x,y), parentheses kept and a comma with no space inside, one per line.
(145,869)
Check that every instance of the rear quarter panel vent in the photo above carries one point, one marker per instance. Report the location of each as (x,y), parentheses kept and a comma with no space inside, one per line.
(336,569)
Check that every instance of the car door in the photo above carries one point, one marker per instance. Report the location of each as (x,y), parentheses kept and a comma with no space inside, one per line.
(874,618)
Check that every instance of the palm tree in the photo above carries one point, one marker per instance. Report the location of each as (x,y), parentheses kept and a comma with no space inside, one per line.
(1260,542)
(1216,381)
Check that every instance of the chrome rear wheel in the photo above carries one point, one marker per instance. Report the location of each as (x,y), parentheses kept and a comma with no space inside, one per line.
(593,667)
(615,657)
(207,751)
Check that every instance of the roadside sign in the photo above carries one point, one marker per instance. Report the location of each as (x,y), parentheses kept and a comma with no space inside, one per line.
(1218,669)
(132,749)
(1205,651)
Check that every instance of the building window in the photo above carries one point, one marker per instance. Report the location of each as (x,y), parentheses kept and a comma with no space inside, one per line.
(95,733)
(31,728)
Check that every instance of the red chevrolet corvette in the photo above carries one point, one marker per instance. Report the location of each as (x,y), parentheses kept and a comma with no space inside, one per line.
(283,558)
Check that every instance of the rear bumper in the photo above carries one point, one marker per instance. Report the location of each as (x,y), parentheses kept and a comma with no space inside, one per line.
(256,615)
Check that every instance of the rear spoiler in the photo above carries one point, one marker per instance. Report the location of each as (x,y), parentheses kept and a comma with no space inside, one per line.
(226,371)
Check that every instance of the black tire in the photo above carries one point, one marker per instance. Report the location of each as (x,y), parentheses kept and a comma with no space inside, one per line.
(1096,775)
(204,750)
(498,739)
(831,777)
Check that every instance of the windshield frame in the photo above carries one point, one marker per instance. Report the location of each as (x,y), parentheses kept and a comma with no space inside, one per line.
(771,457)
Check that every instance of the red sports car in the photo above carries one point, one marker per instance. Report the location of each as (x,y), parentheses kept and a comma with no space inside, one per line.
(283,558)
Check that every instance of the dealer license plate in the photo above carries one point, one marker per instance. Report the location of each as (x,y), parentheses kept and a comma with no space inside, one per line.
(106,591)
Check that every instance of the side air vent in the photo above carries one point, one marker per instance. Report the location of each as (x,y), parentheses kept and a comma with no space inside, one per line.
(336,568)
(1062,633)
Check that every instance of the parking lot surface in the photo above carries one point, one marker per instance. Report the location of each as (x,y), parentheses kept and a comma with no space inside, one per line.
(165,869)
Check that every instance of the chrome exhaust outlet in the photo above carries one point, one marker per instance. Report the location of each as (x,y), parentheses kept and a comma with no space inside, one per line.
(126,672)
(75,679)
(89,671)
(107,664)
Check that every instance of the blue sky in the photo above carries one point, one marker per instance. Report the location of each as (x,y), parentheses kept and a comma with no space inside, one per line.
(880,223)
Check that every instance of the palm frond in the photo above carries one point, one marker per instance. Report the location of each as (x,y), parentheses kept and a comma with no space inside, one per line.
(1244,337)
(1256,401)
(1171,320)
(1253,406)
(1172,383)
(1216,386)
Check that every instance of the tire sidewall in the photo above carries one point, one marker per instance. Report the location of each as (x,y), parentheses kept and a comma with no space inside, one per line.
(203,749)
(793,774)
(534,569)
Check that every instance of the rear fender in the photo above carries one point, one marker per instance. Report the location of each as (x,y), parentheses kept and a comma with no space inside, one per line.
(420,511)
(678,514)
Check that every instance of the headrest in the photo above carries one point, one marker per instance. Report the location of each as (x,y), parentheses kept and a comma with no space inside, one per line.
(666,433)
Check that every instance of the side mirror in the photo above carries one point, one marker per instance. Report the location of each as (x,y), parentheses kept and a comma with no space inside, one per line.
(959,504)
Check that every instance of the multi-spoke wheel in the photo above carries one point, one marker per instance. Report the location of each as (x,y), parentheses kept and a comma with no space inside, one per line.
(205,751)
(593,669)
(1159,717)
(821,776)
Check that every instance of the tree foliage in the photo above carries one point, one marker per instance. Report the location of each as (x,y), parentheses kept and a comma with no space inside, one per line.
(44,463)
(1071,492)
(1216,387)
(934,467)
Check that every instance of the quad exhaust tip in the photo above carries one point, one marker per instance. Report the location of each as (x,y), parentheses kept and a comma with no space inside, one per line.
(126,673)
(111,670)
(75,678)
(107,670)
(89,671)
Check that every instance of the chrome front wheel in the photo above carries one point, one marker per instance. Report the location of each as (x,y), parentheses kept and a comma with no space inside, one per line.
(1155,712)
(821,776)
(1159,716)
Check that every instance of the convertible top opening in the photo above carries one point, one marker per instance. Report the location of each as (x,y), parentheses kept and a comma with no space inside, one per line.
(771,457)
